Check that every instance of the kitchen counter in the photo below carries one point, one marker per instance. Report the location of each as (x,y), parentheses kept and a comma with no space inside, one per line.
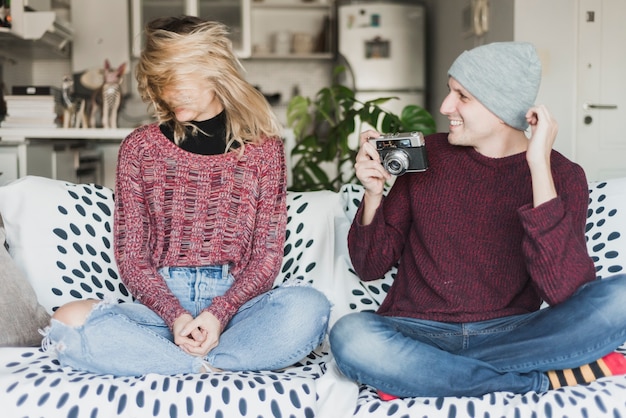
(21,135)
(60,153)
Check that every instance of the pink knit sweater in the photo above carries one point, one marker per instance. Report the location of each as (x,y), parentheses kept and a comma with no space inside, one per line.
(178,209)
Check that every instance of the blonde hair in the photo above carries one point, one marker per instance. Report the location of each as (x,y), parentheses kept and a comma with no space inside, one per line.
(179,47)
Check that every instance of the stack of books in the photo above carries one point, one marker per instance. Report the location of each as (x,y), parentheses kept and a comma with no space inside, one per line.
(32,107)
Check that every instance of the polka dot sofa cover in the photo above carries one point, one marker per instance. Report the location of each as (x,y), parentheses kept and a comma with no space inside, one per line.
(59,235)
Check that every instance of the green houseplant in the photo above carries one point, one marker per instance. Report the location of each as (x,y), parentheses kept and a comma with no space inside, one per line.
(323,125)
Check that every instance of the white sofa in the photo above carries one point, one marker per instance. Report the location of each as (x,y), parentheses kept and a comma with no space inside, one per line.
(59,239)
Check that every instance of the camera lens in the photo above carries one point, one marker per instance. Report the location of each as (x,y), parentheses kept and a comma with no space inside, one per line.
(396,162)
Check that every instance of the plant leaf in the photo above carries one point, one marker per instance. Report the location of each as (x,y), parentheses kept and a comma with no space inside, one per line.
(416,118)
(324,124)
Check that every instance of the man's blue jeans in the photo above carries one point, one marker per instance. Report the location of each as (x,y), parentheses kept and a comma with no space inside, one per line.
(269,332)
(411,357)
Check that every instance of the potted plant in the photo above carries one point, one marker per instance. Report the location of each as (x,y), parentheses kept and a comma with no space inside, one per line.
(324,125)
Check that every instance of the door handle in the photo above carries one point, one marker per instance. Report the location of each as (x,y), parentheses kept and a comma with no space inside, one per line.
(587,106)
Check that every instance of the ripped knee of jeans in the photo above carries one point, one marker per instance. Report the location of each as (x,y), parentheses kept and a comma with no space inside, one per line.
(47,343)
(76,313)
(69,316)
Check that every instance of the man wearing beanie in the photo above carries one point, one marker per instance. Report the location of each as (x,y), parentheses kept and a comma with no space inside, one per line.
(493,228)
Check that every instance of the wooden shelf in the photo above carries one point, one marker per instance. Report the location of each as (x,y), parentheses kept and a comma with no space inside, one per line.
(20,135)
(279,5)
(295,57)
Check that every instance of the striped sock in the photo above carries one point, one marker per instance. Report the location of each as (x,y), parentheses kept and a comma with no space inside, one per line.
(610,365)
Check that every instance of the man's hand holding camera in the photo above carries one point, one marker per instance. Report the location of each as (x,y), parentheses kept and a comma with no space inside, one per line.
(368,167)
(381,156)
(371,174)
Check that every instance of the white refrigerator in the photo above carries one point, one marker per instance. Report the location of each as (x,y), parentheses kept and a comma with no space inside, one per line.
(382,45)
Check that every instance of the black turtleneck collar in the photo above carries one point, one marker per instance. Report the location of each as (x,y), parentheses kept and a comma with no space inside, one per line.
(210,139)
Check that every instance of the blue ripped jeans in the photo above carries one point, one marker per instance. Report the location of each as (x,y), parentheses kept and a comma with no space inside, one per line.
(412,357)
(269,332)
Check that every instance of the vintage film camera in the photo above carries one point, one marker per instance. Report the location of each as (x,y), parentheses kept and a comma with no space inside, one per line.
(401,152)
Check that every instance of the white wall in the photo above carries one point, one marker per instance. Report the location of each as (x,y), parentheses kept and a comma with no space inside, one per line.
(549,25)
(283,76)
(43,72)
(552,27)
(447,39)
(101,32)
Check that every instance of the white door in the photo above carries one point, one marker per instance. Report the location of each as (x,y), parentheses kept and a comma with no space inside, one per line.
(601,98)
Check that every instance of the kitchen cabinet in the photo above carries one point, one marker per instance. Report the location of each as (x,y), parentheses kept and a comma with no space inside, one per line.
(37,29)
(292,29)
(8,164)
(260,29)
(233,13)
(100,33)
(18,159)
(63,160)
(75,155)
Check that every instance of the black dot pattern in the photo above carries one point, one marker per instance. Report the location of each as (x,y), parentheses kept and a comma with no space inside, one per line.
(306,245)
(32,384)
(83,235)
(363,296)
(605,232)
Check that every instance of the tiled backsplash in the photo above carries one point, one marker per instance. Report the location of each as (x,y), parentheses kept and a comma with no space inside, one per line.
(287,76)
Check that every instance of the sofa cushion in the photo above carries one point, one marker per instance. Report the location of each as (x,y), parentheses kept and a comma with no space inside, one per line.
(606,221)
(309,241)
(21,316)
(60,235)
(316,250)
(357,295)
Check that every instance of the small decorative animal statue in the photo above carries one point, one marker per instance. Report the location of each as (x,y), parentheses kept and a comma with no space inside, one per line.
(108,97)
(74,113)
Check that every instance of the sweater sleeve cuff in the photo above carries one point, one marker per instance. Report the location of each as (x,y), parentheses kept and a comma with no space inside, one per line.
(170,316)
(222,312)
(542,217)
(358,216)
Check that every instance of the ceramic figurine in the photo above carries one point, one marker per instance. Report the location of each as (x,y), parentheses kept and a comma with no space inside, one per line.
(108,97)
(74,113)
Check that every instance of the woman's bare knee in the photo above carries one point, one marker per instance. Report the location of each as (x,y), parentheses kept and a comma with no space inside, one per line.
(74,313)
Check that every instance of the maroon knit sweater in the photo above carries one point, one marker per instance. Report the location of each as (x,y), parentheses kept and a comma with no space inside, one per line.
(469,244)
(179,209)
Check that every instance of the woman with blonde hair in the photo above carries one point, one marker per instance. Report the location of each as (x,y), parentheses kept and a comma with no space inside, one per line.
(199,226)
(172,57)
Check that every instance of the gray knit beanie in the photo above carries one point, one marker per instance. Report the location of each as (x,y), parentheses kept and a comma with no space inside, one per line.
(503,76)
